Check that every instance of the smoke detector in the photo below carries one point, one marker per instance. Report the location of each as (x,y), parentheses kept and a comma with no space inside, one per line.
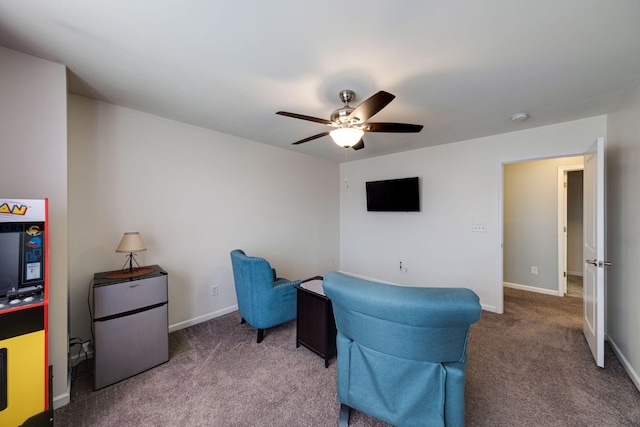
(519,117)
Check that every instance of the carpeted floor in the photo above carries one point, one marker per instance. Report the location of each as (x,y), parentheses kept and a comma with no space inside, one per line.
(532,366)
(574,286)
(528,367)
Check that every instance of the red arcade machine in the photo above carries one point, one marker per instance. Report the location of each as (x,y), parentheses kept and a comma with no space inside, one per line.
(25,394)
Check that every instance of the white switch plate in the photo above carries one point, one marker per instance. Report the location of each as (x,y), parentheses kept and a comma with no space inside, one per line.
(479,228)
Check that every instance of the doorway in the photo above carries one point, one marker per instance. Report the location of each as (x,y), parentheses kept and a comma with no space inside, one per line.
(573,232)
(535,227)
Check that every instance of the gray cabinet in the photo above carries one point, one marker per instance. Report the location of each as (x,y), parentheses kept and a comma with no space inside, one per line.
(130,325)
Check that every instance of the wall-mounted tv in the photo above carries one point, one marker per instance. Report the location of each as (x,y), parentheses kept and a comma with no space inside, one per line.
(393,195)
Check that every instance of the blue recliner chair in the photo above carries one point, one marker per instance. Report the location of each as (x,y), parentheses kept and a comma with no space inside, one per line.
(402,351)
(264,300)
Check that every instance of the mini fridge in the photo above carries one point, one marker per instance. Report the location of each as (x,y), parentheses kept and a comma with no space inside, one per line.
(130,325)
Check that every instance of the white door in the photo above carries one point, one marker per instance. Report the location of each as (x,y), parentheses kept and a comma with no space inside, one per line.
(593,323)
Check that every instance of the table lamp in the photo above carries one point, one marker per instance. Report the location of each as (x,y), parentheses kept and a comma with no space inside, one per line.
(131,242)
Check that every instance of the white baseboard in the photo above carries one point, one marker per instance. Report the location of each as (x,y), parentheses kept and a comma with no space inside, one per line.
(372,279)
(63,399)
(485,307)
(627,366)
(203,318)
(490,308)
(575,273)
(531,289)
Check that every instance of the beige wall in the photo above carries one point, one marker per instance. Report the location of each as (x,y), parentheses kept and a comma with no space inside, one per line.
(461,185)
(623,231)
(33,165)
(194,195)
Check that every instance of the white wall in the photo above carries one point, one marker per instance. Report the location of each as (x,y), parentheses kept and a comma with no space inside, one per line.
(33,165)
(623,231)
(461,185)
(194,195)
(531,222)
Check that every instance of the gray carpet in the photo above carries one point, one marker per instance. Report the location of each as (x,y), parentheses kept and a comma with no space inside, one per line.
(528,367)
(574,286)
(532,366)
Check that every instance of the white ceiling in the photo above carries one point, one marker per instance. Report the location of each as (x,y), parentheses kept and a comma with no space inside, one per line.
(460,68)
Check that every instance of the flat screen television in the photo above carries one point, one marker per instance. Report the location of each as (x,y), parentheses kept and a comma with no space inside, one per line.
(393,195)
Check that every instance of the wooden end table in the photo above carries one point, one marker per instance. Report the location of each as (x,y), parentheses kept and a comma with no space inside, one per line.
(315,324)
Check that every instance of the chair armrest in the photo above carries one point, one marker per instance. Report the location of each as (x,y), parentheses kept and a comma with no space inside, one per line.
(284,283)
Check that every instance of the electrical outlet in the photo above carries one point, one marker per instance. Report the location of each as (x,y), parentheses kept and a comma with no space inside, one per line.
(534,270)
(402,267)
(214,290)
(479,228)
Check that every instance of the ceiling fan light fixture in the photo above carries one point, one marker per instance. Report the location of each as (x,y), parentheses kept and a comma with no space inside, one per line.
(351,123)
(346,137)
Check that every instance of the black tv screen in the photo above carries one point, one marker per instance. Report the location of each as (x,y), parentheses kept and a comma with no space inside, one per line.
(22,256)
(393,195)
(9,262)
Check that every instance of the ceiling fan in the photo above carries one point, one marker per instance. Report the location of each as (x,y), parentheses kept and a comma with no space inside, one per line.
(351,123)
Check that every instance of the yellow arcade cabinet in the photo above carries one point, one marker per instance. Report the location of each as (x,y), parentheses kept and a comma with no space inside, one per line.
(25,395)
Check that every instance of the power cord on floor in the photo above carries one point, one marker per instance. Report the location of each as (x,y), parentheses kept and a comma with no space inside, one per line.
(79,365)
(90,311)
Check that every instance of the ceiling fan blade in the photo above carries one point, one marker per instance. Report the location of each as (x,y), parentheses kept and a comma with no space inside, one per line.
(303,117)
(392,127)
(311,138)
(371,106)
(359,145)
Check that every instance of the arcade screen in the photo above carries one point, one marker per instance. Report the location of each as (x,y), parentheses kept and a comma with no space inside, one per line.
(21,256)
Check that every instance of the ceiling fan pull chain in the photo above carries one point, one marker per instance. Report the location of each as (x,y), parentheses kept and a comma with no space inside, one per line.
(346,181)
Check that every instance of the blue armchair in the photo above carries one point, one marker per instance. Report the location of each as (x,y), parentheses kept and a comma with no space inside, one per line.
(264,300)
(402,351)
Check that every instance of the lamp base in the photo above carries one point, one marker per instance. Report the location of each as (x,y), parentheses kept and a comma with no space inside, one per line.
(126,273)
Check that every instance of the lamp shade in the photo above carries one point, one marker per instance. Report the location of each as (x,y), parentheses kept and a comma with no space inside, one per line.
(131,242)
(346,137)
